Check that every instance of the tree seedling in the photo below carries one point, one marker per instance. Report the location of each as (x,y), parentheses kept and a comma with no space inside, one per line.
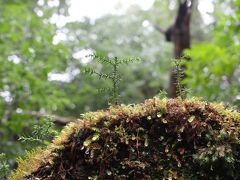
(114,76)
(4,167)
(42,131)
(182,91)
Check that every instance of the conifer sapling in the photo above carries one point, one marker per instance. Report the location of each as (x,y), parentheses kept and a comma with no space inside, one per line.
(114,76)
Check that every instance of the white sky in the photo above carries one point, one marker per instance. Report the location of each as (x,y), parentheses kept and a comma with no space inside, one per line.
(96,8)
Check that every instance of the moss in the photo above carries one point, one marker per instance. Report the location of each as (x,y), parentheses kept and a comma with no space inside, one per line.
(168,138)
(31,162)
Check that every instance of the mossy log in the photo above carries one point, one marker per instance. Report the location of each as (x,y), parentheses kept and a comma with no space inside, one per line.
(159,139)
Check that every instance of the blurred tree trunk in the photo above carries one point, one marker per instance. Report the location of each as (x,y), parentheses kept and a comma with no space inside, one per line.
(179,35)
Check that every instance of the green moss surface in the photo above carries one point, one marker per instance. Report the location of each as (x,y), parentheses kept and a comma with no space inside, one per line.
(158,139)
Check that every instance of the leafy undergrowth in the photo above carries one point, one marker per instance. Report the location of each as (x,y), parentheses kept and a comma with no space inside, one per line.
(159,139)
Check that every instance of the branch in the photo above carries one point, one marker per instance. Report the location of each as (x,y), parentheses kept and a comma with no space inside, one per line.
(158,28)
(60,120)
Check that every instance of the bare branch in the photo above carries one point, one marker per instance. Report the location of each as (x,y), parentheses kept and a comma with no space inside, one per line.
(60,120)
(158,28)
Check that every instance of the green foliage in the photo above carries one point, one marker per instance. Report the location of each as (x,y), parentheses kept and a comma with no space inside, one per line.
(162,94)
(42,133)
(178,66)
(160,139)
(179,73)
(213,72)
(27,56)
(108,35)
(30,53)
(4,167)
(114,76)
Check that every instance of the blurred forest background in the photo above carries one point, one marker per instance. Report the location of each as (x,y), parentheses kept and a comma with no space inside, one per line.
(42,52)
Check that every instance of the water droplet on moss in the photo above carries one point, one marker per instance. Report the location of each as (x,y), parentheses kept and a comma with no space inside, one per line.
(191,119)
(87,142)
(159,115)
(109,173)
(164,121)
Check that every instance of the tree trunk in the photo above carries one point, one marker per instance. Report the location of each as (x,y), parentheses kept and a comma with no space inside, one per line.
(179,34)
(181,39)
